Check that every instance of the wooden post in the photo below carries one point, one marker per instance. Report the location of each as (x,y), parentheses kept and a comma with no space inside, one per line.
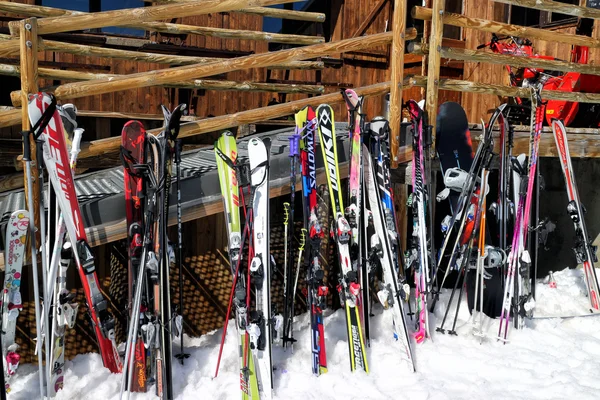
(426,33)
(29,76)
(433,65)
(397,76)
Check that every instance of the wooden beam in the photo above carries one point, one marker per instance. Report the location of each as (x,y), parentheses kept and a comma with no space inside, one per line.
(506,29)
(207,84)
(10,118)
(284,14)
(556,7)
(29,77)
(40,11)
(397,75)
(165,76)
(111,145)
(267,12)
(362,28)
(433,63)
(12,182)
(506,59)
(228,33)
(94,51)
(128,16)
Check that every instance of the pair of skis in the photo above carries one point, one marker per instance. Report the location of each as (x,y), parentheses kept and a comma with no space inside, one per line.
(317,291)
(49,132)
(147,164)
(351,233)
(254,327)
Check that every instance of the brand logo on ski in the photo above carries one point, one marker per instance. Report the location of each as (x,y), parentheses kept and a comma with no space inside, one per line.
(328,143)
(315,351)
(310,150)
(62,170)
(358,360)
(234,182)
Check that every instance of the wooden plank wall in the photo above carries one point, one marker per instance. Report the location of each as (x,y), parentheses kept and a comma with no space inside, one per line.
(357,70)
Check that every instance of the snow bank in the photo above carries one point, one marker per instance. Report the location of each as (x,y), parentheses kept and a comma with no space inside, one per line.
(550,359)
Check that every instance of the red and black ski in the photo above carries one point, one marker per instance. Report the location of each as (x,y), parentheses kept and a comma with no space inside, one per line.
(133,141)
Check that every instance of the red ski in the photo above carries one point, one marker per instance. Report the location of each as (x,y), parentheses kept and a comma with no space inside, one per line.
(133,141)
(56,160)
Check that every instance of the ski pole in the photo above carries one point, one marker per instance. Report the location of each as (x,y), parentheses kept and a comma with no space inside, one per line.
(178,146)
(32,232)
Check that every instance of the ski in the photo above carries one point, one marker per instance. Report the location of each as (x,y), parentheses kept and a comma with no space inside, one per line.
(420,256)
(349,286)
(64,310)
(260,319)
(380,248)
(57,164)
(584,251)
(14,257)
(353,212)
(133,144)
(317,291)
(226,154)
(517,295)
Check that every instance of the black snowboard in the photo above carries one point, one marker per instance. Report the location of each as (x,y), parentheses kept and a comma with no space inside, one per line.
(453,141)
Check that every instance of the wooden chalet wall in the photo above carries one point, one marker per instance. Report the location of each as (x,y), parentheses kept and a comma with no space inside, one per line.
(207,275)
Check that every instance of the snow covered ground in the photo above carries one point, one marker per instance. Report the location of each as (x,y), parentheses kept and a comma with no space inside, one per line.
(549,359)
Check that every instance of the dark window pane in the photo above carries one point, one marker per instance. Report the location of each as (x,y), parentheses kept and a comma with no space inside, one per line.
(560,17)
(75,5)
(107,5)
(524,16)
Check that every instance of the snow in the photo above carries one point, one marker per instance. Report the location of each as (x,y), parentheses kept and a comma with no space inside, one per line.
(549,359)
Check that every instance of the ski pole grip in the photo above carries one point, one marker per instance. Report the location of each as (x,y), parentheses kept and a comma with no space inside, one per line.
(294,144)
(26,146)
(178,148)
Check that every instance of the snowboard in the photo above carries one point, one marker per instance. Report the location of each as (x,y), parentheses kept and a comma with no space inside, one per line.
(453,142)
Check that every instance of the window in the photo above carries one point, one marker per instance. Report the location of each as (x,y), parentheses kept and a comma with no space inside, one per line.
(74,5)
(107,5)
(541,19)
(275,25)
(99,5)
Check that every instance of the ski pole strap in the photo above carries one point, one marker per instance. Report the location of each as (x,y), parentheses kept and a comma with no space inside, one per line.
(128,162)
(173,121)
(226,159)
(264,164)
(351,107)
(43,122)
(37,129)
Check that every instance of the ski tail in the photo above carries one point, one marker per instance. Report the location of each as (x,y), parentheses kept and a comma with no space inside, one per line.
(14,254)
(584,250)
